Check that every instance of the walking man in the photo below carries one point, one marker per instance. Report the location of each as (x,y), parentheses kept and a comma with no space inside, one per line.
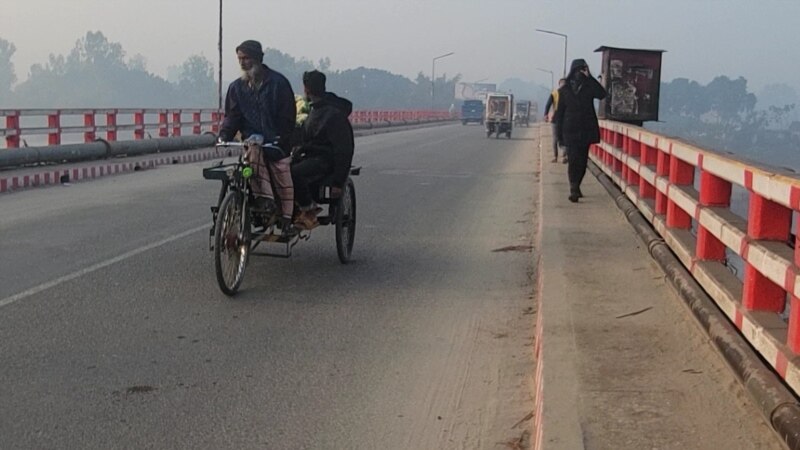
(552,102)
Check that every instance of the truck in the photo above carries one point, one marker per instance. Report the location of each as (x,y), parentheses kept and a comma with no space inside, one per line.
(472,111)
(499,114)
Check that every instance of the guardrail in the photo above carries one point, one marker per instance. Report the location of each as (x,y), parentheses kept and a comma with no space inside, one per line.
(685,193)
(86,125)
(54,123)
(361,117)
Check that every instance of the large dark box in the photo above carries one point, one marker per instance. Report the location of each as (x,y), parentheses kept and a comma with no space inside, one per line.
(632,78)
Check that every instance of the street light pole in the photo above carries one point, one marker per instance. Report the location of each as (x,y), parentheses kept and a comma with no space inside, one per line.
(433,76)
(565,46)
(219,48)
(552,78)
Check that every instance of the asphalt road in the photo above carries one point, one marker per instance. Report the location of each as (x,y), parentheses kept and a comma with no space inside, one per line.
(114,334)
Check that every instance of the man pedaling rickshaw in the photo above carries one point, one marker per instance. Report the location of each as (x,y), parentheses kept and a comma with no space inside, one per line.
(261,106)
(325,150)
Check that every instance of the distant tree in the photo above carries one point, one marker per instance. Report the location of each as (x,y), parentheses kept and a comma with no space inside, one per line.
(683,98)
(780,99)
(422,89)
(94,74)
(723,101)
(196,81)
(777,94)
(371,88)
(173,74)
(729,99)
(138,62)
(722,115)
(94,49)
(7,75)
(290,67)
(444,95)
(780,117)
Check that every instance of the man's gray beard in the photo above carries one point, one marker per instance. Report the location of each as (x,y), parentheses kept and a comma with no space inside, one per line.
(254,75)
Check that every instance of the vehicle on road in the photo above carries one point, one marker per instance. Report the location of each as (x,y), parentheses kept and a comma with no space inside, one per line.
(522,113)
(499,114)
(472,111)
(236,230)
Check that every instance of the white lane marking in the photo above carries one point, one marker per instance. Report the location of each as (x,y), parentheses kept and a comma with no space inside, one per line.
(98,266)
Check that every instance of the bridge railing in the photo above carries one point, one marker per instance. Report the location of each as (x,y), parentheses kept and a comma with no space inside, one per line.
(90,124)
(55,126)
(685,192)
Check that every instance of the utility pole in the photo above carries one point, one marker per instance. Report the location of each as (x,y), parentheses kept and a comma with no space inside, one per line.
(219,48)
(565,46)
(433,76)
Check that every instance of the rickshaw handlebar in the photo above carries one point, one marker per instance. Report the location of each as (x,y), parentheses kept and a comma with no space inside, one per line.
(242,144)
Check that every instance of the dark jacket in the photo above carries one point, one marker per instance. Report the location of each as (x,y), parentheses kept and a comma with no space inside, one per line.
(269,111)
(327,134)
(575,118)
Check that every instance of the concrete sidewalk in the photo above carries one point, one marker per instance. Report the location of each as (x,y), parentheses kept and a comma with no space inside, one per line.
(622,365)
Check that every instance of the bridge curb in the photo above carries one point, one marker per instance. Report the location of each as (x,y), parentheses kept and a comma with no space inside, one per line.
(778,405)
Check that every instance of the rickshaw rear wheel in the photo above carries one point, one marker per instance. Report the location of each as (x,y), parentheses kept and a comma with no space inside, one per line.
(346,222)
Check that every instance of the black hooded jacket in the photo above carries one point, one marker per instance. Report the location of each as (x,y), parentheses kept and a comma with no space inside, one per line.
(327,134)
(575,118)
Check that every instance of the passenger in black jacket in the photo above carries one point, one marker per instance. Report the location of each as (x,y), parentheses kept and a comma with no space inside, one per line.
(326,146)
(576,121)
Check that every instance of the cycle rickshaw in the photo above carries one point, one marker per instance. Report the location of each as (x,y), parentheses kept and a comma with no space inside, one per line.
(236,230)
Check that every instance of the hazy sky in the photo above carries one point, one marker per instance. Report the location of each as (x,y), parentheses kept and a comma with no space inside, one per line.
(493,39)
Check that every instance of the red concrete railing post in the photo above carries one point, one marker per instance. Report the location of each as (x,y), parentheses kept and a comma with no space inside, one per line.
(681,173)
(216,118)
(634,151)
(626,149)
(12,124)
(617,165)
(793,339)
(54,123)
(794,314)
(88,121)
(797,245)
(138,121)
(163,125)
(647,157)
(714,191)
(196,120)
(662,170)
(618,140)
(176,123)
(111,125)
(766,220)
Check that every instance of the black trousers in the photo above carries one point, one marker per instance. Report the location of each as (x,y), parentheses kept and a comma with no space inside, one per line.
(555,142)
(578,158)
(306,172)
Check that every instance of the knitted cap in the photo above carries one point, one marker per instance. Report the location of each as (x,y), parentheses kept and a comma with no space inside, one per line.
(251,49)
